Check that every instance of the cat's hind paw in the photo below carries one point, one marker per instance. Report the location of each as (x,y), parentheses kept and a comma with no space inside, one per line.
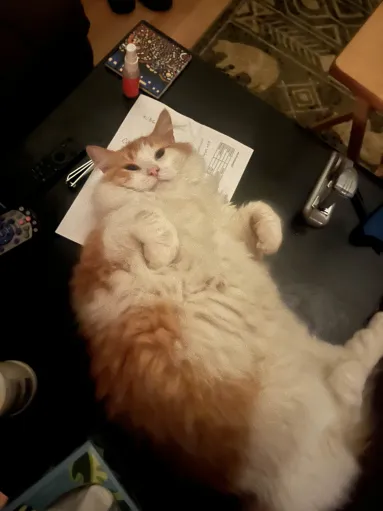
(376,323)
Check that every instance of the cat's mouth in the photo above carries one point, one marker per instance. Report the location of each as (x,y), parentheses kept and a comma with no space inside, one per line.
(154,171)
(155,177)
(159,173)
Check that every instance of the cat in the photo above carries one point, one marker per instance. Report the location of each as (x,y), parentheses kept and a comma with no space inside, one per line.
(261,67)
(191,343)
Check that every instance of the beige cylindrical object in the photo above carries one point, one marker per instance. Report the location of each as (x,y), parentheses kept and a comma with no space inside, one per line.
(18,385)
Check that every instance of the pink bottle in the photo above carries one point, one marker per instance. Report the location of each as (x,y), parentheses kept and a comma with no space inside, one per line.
(131,72)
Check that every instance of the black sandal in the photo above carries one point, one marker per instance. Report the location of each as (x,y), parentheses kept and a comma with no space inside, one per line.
(127,6)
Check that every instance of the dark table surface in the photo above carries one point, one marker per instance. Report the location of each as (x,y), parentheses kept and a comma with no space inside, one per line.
(333,286)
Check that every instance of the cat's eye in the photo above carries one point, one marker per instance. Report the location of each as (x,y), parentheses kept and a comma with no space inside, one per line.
(132,166)
(159,153)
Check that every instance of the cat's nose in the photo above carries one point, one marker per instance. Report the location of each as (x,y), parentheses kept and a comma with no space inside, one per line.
(153,171)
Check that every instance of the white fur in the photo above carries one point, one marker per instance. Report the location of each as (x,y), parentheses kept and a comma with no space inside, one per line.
(184,244)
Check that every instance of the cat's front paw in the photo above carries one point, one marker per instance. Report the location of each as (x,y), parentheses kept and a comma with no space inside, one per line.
(158,256)
(162,248)
(158,237)
(267,229)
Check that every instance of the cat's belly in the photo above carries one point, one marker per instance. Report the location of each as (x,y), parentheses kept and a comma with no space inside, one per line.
(226,304)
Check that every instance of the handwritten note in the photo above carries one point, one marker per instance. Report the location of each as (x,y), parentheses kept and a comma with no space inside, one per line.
(223,155)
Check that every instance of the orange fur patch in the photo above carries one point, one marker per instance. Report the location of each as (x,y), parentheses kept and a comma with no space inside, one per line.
(118,175)
(140,374)
(131,149)
(129,152)
(93,270)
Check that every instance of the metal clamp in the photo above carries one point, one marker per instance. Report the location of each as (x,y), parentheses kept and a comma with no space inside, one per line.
(79,173)
(338,180)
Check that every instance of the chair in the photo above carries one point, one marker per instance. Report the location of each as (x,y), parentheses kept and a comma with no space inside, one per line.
(360,68)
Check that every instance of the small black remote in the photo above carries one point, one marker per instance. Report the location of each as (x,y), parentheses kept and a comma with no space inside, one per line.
(59,160)
(23,183)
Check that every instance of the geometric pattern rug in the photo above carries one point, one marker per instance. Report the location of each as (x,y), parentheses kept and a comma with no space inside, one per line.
(281,50)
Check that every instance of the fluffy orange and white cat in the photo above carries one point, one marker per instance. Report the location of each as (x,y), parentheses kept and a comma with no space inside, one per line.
(190,341)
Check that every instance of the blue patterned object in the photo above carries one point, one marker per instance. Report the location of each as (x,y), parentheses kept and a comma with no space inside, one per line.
(82,468)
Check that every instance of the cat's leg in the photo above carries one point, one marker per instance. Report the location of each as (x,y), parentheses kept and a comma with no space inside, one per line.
(257,224)
(362,353)
(306,458)
(330,460)
(367,344)
(158,237)
(322,483)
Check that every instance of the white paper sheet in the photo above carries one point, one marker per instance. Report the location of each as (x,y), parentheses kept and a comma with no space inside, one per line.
(223,155)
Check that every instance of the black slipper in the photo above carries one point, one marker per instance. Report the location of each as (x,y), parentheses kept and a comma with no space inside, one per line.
(122,6)
(157,5)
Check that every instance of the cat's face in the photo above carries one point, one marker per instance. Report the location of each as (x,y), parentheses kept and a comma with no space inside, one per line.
(146,162)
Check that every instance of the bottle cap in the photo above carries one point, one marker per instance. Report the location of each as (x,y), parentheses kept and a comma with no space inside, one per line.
(131,54)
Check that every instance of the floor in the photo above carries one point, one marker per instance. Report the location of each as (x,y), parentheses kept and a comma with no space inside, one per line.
(185,22)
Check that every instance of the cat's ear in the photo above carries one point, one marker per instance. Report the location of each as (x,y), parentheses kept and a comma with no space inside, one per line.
(100,156)
(164,127)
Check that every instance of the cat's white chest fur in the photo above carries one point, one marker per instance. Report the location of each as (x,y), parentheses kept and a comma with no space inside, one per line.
(211,277)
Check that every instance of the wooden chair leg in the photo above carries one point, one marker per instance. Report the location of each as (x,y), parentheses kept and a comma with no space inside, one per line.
(333,121)
(359,121)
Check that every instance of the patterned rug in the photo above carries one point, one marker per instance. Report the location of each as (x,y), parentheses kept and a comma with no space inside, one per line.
(281,50)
